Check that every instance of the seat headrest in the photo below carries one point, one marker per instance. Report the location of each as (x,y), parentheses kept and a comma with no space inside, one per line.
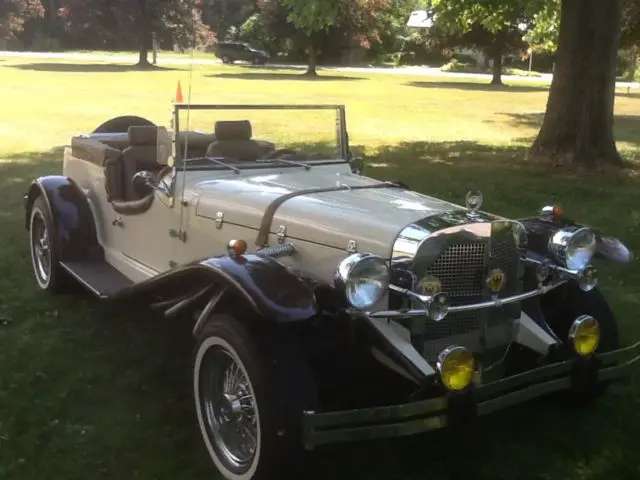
(140,135)
(233,130)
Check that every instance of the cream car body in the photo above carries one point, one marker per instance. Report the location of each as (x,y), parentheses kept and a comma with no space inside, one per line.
(449,300)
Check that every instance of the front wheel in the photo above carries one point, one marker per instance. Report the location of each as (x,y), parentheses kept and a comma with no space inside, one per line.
(250,397)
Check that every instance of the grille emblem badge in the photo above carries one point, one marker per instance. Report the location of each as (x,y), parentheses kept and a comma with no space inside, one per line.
(430,286)
(496,280)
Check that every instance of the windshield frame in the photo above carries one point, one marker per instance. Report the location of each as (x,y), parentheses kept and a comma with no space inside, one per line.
(342,137)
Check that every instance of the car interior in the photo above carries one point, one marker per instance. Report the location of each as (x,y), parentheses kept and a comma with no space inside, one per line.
(148,147)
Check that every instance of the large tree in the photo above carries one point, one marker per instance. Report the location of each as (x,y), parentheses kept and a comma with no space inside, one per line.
(134,22)
(13,14)
(492,24)
(359,19)
(578,123)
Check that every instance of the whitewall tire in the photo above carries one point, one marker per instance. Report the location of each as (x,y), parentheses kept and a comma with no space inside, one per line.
(233,465)
(250,391)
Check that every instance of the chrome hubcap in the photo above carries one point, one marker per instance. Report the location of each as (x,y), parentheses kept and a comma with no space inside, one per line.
(228,405)
(40,248)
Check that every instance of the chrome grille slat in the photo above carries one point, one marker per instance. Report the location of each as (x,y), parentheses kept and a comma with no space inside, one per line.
(459,269)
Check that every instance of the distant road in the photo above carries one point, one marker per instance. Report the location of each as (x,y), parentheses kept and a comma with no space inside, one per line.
(164,59)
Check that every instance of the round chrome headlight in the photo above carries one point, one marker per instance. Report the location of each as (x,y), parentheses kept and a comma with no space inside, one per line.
(575,248)
(364,279)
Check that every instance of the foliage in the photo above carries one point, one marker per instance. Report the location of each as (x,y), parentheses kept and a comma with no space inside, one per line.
(312,17)
(630,23)
(14,13)
(542,34)
(174,21)
(226,17)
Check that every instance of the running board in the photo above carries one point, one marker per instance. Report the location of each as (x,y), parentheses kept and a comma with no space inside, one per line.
(99,277)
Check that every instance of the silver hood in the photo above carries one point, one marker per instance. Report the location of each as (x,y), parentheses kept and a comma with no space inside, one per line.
(372,217)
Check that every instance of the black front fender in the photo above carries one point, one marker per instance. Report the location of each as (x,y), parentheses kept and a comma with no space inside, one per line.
(268,286)
(260,284)
(75,232)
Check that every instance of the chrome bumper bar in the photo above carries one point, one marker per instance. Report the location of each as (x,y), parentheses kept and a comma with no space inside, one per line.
(495,302)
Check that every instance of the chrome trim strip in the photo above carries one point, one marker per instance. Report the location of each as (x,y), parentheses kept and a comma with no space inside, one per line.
(411,237)
(497,302)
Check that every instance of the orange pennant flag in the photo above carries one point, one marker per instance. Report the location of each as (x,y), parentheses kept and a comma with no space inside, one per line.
(179,98)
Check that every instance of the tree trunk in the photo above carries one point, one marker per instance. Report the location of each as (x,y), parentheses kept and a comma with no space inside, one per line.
(578,123)
(497,51)
(145,36)
(313,60)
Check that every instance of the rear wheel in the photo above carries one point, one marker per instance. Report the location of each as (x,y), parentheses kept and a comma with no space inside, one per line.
(44,254)
(250,397)
(226,59)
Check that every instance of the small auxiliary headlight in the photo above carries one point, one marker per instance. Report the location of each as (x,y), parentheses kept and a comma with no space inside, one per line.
(543,270)
(587,278)
(456,366)
(585,335)
(438,308)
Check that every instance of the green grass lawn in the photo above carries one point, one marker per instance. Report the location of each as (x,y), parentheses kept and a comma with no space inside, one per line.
(88,393)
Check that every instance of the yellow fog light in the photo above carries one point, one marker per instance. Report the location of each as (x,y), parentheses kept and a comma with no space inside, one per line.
(585,335)
(457,368)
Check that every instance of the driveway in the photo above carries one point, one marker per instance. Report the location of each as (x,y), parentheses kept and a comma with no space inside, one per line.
(163,59)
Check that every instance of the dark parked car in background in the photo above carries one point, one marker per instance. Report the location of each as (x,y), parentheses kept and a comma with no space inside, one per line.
(230,52)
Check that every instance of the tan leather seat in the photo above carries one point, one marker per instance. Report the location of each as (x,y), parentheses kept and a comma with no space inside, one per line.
(233,142)
(149,149)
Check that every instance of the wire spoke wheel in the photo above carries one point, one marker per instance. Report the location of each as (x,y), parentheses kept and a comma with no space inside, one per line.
(228,408)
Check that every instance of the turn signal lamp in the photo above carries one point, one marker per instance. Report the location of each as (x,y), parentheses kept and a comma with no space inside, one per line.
(552,213)
(585,335)
(456,366)
(236,247)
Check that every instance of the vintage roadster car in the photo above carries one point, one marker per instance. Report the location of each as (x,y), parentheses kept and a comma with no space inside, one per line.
(327,306)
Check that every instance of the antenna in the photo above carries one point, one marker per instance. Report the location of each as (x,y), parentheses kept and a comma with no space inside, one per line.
(184,154)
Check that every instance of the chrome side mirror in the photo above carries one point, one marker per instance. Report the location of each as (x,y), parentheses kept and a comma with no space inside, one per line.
(144,183)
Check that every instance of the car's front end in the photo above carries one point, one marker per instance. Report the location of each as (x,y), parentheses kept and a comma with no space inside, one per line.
(470,320)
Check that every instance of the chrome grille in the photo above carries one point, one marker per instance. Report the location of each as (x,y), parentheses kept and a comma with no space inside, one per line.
(460,271)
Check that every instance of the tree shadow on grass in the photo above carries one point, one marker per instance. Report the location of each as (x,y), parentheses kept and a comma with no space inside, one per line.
(479,86)
(626,127)
(285,76)
(89,68)
(107,391)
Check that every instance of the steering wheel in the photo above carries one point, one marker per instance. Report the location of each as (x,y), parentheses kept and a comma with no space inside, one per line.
(280,152)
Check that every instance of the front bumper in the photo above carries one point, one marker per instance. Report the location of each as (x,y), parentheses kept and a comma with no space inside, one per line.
(411,418)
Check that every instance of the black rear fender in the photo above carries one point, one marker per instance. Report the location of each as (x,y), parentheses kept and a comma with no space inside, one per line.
(75,231)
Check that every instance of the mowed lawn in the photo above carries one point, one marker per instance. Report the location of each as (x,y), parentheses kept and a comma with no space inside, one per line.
(89,393)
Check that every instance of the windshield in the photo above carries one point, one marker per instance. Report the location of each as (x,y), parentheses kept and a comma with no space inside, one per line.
(242,135)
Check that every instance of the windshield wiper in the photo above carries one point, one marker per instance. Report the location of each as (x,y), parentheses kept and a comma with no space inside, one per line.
(290,162)
(218,162)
